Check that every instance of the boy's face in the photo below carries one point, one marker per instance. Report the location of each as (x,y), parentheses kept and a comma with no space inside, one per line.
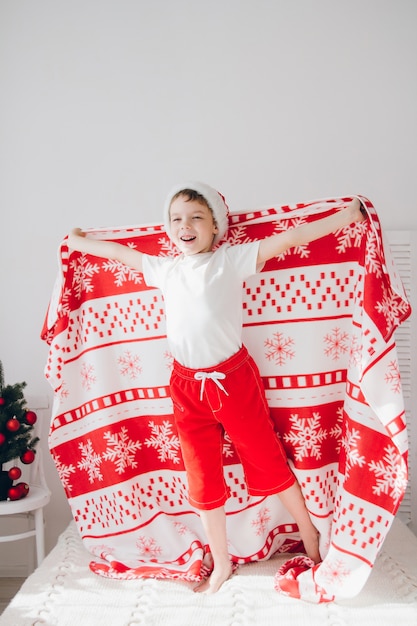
(192,226)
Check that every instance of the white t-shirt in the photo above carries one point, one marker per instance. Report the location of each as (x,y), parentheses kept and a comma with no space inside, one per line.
(203,301)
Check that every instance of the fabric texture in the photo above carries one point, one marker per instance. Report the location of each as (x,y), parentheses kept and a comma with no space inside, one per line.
(63,592)
(319,322)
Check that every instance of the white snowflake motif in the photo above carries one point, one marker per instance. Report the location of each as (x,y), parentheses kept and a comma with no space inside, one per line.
(337,343)
(91,461)
(238,235)
(64,306)
(227,446)
(390,473)
(168,248)
(372,258)
(129,365)
(279,348)
(302,251)
(261,522)
(121,450)
(350,236)
(393,377)
(306,436)
(336,431)
(392,310)
(83,274)
(350,446)
(122,273)
(87,376)
(164,441)
(148,548)
(334,572)
(64,472)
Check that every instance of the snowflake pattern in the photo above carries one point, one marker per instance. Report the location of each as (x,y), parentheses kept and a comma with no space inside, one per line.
(392,310)
(390,473)
(90,462)
(121,450)
(350,236)
(169,360)
(337,344)
(167,247)
(350,445)
(355,352)
(306,436)
(129,365)
(181,528)
(261,522)
(64,472)
(84,272)
(337,430)
(238,235)
(302,251)
(164,441)
(334,572)
(65,304)
(63,392)
(148,547)
(279,348)
(393,377)
(122,273)
(373,256)
(87,376)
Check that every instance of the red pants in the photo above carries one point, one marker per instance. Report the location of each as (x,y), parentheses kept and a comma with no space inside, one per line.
(228,397)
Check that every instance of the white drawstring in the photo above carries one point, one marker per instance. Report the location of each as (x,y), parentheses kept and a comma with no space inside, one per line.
(214,376)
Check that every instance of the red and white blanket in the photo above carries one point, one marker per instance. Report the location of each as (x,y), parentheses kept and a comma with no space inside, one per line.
(319,320)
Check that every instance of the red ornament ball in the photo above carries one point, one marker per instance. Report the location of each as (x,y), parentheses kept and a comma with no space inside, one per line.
(30,417)
(2,401)
(28,457)
(14,493)
(15,473)
(13,425)
(23,488)
(2,438)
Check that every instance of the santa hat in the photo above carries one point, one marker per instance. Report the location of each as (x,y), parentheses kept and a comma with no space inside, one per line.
(214,199)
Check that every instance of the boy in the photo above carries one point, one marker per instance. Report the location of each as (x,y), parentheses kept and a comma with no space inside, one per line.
(215,385)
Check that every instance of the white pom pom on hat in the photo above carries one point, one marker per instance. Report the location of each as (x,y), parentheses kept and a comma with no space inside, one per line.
(214,199)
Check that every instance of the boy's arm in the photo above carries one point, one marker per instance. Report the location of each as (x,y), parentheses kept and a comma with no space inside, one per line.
(78,240)
(275,245)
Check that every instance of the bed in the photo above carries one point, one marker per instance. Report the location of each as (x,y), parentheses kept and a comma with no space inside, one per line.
(63,591)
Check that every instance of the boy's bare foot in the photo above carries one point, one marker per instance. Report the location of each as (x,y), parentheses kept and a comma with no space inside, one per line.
(218,576)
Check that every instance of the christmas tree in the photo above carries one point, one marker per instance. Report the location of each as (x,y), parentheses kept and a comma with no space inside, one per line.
(16,437)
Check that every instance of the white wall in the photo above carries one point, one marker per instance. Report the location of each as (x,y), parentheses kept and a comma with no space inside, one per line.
(106,103)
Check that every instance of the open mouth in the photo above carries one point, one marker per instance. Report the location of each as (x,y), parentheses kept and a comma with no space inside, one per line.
(187,239)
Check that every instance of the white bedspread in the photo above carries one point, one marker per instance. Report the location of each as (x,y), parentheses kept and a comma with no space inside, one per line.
(64,592)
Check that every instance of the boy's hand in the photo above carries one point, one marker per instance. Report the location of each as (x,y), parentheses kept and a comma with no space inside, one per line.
(78,232)
(357,210)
